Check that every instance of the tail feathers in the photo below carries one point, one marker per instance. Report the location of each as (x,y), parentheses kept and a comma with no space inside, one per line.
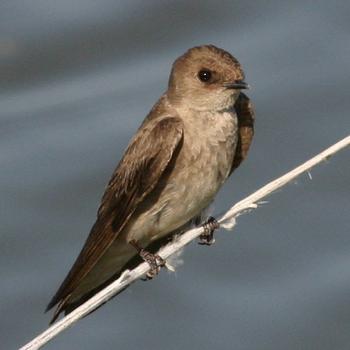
(65,305)
(60,307)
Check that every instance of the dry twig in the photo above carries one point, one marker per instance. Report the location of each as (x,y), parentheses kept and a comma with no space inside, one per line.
(227,221)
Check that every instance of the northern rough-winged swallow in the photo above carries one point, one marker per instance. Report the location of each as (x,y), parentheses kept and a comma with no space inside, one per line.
(197,133)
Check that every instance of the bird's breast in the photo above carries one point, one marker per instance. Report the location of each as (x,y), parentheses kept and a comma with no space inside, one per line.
(210,140)
(203,165)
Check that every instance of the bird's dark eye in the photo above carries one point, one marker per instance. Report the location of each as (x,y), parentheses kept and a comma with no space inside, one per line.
(204,75)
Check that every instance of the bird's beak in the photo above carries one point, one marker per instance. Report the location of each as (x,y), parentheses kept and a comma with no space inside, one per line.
(238,84)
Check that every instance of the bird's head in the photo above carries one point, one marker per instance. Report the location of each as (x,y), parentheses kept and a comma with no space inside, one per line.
(206,78)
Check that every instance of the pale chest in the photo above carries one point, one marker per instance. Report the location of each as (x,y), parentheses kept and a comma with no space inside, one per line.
(210,141)
(202,166)
(205,160)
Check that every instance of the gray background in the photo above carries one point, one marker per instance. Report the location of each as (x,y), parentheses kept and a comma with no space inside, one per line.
(78,77)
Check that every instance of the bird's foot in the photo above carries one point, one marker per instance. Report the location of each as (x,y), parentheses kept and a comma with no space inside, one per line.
(207,237)
(155,261)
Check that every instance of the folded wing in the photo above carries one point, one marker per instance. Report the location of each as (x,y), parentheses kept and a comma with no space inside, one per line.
(245,114)
(145,160)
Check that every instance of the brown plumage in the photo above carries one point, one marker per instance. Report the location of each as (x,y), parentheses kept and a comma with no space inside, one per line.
(193,138)
(245,114)
(126,189)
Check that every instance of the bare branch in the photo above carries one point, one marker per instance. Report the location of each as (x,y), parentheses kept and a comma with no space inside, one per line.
(226,221)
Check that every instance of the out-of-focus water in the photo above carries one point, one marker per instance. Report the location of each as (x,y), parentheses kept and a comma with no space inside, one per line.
(76,80)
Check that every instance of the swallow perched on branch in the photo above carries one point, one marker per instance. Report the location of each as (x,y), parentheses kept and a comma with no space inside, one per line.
(197,133)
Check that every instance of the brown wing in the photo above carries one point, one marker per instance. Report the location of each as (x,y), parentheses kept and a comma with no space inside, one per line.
(143,163)
(245,115)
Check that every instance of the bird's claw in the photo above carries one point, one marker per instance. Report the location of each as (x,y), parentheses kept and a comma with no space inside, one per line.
(155,262)
(207,237)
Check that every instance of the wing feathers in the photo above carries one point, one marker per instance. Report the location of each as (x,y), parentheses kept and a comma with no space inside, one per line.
(137,174)
(245,114)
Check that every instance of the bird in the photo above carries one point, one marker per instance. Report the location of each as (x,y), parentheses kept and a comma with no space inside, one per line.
(194,137)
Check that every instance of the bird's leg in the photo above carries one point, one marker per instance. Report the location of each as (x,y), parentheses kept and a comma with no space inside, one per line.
(207,237)
(154,260)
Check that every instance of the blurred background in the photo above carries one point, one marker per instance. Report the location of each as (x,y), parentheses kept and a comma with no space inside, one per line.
(76,80)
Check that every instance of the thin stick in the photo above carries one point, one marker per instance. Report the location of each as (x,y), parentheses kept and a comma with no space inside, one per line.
(130,276)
